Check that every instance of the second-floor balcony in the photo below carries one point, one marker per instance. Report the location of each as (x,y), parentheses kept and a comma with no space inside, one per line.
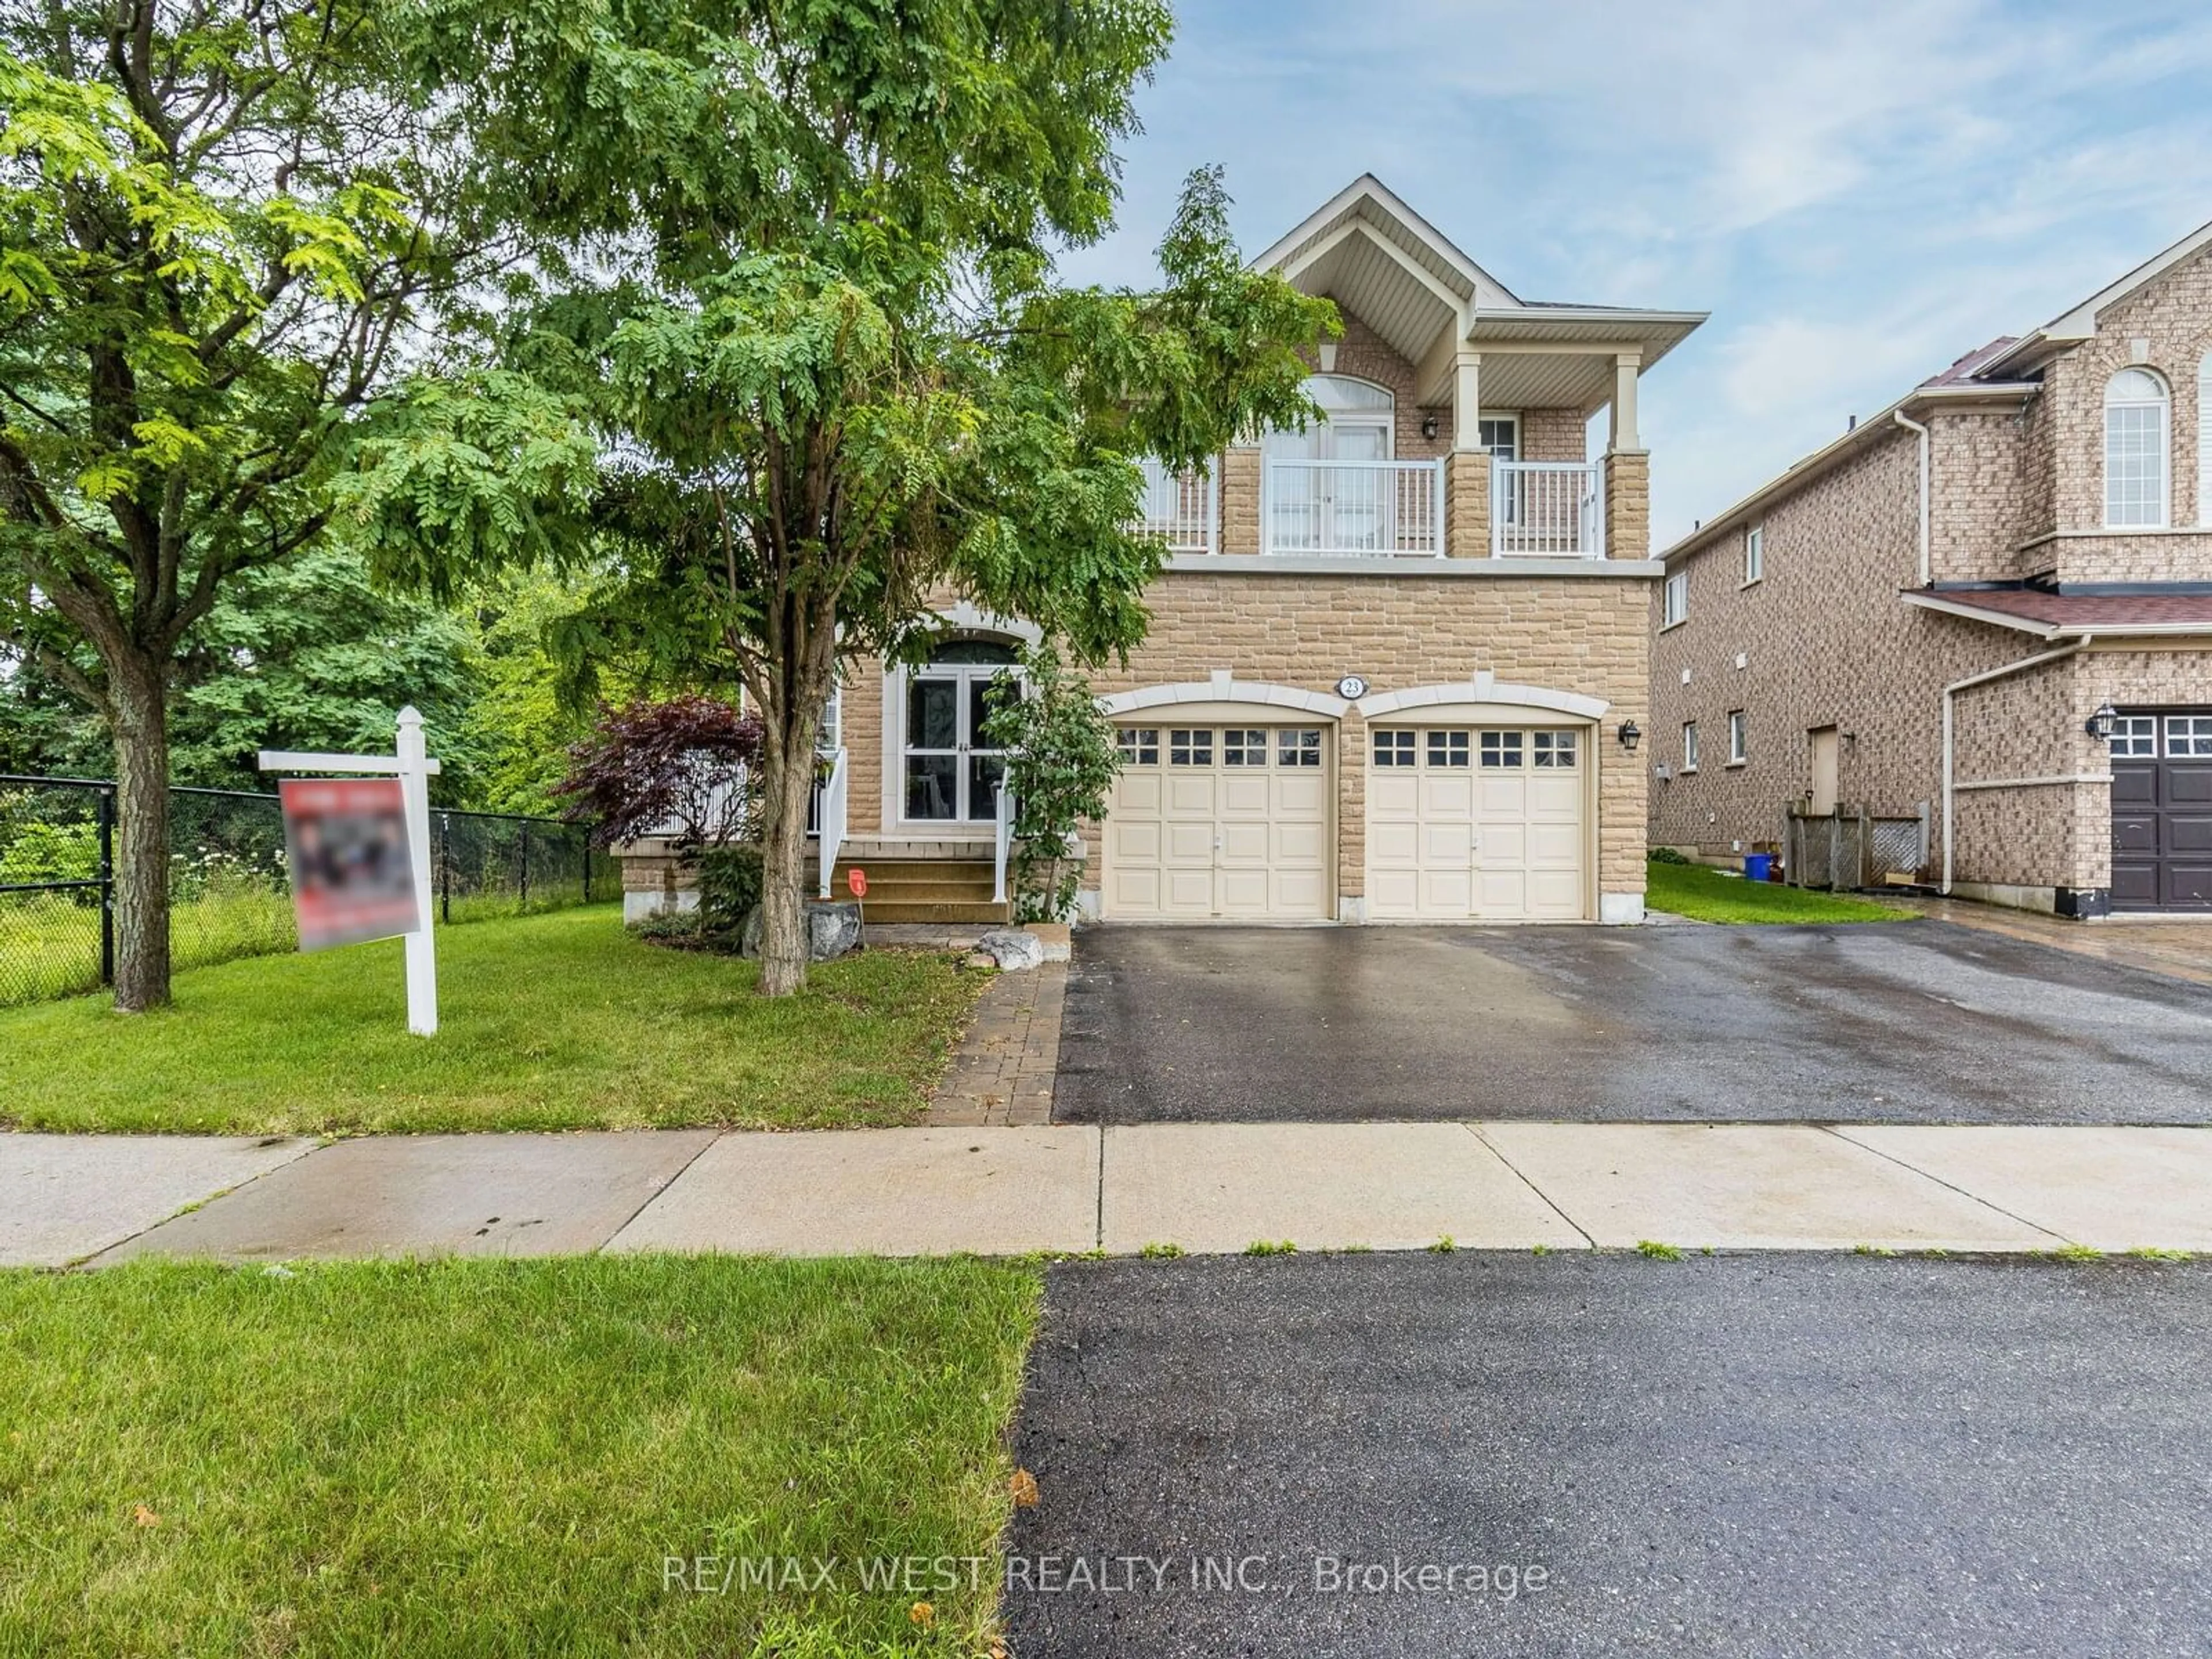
(1390,510)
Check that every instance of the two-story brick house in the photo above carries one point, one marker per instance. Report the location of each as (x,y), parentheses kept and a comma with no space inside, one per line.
(1390,658)
(1991,605)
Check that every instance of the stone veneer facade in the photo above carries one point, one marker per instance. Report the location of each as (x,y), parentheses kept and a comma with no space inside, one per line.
(1825,640)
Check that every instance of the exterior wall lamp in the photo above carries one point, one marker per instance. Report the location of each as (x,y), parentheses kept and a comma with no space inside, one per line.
(1631,735)
(1429,428)
(2101,723)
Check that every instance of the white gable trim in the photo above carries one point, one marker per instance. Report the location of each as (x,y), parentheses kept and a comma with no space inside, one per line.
(1222,689)
(1483,689)
(1382,201)
(1450,301)
(2081,323)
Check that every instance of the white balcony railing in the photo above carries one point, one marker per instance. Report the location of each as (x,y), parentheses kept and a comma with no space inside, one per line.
(1362,508)
(830,813)
(1547,510)
(1002,836)
(1180,508)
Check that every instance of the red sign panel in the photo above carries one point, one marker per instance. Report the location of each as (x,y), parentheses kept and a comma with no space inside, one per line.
(857,880)
(352,879)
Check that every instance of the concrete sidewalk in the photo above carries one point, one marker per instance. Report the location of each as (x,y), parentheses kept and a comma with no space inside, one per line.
(1206,1188)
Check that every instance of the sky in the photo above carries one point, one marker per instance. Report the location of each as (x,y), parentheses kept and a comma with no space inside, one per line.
(1858,194)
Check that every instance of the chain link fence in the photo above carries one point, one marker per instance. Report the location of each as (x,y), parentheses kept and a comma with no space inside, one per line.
(229,892)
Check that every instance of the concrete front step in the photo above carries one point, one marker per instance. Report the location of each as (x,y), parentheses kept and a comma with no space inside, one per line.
(883,869)
(980,911)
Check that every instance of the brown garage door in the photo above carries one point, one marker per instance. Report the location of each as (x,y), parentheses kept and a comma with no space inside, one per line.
(2162,809)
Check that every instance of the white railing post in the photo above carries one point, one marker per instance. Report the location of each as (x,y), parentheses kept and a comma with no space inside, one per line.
(832,836)
(1002,837)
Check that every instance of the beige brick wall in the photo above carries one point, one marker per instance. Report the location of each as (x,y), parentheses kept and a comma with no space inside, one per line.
(1826,641)
(1555,435)
(1569,634)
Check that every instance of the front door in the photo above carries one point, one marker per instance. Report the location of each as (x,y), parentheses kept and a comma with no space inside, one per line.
(1827,756)
(950,769)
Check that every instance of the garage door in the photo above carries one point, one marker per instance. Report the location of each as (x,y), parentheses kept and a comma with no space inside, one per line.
(1477,822)
(2162,810)
(1220,821)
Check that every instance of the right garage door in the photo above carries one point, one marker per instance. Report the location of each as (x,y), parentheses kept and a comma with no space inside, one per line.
(2162,810)
(1476,823)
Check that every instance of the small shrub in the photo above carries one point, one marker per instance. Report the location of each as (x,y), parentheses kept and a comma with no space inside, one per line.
(1667,855)
(730,881)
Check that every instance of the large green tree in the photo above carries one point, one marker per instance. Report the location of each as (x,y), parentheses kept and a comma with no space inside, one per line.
(220,222)
(807,314)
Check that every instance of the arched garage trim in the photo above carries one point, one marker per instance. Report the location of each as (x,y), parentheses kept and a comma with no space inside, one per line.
(1222,689)
(1482,689)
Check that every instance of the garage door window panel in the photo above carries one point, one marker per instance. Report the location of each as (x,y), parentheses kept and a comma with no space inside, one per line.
(1190,746)
(2136,734)
(1555,750)
(1243,746)
(1501,750)
(1298,746)
(1448,749)
(1140,744)
(1393,748)
(2189,735)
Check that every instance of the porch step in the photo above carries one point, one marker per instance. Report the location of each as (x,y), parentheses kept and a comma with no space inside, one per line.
(982,912)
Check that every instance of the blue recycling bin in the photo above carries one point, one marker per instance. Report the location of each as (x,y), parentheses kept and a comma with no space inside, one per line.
(1759,866)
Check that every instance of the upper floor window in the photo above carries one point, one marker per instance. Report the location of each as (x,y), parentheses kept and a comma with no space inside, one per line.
(1501,435)
(1357,424)
(1739,736)
(1689,745)
(1674,601)
(2135,445)
(1755,554)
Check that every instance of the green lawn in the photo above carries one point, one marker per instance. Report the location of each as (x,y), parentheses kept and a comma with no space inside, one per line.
(491,1458)
(551,1022)
(1706,895)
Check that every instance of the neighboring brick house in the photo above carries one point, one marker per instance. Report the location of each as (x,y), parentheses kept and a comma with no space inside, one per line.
(1943,613)
(1389,659)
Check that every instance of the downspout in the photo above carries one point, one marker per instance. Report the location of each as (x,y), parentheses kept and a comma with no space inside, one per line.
(1927,561)
(1950,692)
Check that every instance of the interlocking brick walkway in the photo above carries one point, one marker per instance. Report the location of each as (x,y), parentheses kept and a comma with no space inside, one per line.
(1002,1070)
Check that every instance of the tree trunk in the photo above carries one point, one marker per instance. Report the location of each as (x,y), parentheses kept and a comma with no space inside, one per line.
(138,708)
(789,780)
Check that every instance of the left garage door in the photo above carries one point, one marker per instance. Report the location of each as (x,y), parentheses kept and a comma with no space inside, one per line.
(1220,822)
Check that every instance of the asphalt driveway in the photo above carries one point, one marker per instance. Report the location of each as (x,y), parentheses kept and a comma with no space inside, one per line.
(1803,1456)
(1920,1022)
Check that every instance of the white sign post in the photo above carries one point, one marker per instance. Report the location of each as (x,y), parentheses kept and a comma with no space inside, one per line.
(414,768)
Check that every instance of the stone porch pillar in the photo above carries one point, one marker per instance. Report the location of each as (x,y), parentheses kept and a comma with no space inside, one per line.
(1466,504)
(1628,504)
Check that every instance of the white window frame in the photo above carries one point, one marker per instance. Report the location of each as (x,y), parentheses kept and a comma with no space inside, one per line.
(1674,601)
(1755,554)
(2204,441)
(2122,405)
(1510,451)
(1689,747)
(1739,735)
(2135,735)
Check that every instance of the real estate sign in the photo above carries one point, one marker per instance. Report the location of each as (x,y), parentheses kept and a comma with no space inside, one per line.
(353,872)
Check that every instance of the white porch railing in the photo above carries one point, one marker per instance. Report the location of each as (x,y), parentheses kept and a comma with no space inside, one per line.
(1182,508)
(1383,509)
(1547,509)
(832,813)
(1002,837)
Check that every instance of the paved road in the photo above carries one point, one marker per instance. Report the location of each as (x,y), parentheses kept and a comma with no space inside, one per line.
(1919,1022)
(1809,1456)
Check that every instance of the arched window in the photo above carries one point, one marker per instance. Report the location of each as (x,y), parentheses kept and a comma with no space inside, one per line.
(2205,441)
(1356,418)
(2135,445)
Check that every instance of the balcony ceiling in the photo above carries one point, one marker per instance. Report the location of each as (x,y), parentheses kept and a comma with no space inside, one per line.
(1384,264)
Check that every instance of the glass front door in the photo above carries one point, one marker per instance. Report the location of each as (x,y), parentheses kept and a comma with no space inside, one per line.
(951,772)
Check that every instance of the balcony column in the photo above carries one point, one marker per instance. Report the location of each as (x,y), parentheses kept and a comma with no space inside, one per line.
(1627,470)
(1466,469)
